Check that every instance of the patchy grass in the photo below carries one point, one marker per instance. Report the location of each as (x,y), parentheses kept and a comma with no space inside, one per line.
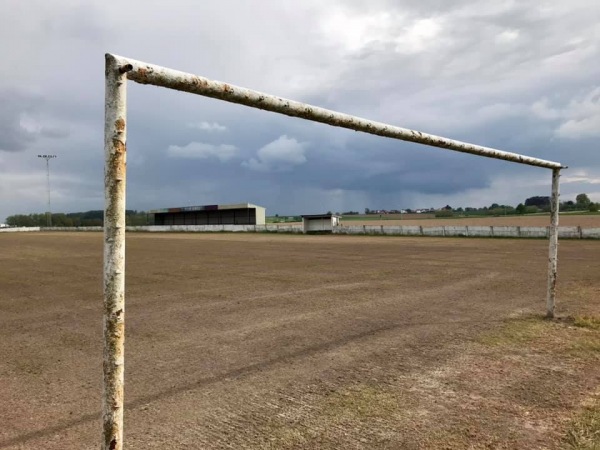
(586,347)
(579,334)
(518,386)
(357,407)
(578,337)
(587,343)
(517,332)
(590,322)
(584,430)
(574,339)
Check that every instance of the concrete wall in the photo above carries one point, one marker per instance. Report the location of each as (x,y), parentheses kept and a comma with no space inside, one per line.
(587,233)
(18,229)
(465,231)
(260,215)
(472,231)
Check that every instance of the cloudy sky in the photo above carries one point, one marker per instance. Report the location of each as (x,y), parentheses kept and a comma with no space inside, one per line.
(521,76)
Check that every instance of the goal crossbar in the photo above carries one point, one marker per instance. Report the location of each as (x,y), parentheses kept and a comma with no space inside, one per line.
(145,73)
(118,71)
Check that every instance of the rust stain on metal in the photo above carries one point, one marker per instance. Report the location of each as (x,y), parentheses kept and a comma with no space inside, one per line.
(125,68)
(119,146)
(142,73)
(120,125)
(117,160)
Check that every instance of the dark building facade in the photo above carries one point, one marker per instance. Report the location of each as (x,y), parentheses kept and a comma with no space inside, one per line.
(238,214)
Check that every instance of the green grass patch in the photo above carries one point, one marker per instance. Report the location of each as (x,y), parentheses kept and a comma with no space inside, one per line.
(591,322)
(586,347)
(579,337)
(584,430)
(353,408)
(361,403)
(517,332)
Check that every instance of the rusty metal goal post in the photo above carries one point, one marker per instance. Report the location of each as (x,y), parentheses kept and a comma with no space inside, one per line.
(118,71)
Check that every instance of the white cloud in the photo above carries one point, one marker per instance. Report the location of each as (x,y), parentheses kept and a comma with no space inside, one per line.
(201,150)
(575,129)
(583,117)
(353,32)
(581,176)
(580,117)
(278,156)
(543,110)
(207,126)
(507,36)
(418,36)
(33,127)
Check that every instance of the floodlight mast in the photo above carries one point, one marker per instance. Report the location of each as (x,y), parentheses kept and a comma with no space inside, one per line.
(118,71)
(49,212)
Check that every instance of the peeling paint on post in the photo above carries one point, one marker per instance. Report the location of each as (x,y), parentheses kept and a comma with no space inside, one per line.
(553,245)
(114,254)
(145,73)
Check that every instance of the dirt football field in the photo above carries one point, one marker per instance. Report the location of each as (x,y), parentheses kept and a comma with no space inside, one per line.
(263,341)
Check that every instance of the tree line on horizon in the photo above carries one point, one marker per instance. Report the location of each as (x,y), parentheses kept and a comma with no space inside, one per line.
(95,218)
(531,205)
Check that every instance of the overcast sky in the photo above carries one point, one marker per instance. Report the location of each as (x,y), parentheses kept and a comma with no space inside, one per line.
(521,76)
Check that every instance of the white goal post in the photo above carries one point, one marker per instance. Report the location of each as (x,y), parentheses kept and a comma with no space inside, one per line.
(118,71)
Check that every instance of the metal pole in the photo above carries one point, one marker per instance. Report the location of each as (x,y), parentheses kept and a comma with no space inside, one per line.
(49,213)
(49,210)
(553,246)
(114,254)
(145,73)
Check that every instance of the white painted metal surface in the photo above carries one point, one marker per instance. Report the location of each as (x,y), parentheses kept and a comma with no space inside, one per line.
(114,255)
(553,249)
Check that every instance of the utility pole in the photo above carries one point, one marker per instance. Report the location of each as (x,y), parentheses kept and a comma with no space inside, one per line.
(49,212)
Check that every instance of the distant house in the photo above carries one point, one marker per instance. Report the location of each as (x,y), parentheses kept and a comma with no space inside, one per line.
(320,223)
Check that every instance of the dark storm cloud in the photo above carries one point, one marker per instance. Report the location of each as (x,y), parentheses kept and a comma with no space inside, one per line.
(13,136)
(19,122)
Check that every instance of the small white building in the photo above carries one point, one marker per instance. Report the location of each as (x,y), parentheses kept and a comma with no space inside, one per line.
(315,223)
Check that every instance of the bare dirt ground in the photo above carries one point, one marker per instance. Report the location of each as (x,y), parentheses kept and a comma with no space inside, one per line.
(566,220)
(247,341)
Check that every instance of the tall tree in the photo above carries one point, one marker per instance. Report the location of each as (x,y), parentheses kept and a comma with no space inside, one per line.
(583,201)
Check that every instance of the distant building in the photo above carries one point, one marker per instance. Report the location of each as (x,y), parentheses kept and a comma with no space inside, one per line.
(238,214)
(313,223)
